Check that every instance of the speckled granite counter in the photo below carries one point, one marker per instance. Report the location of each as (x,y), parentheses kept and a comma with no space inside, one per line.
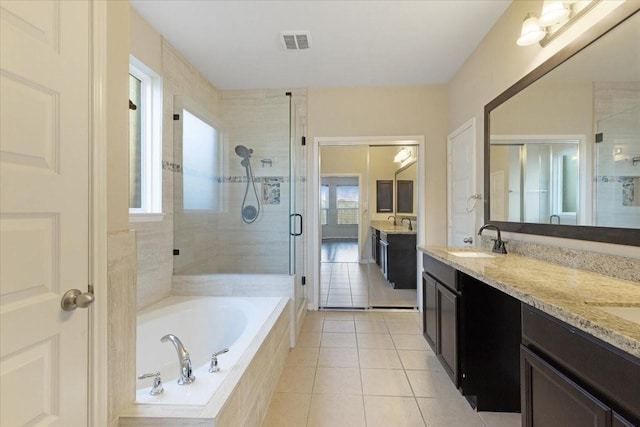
(388,227)
(568,294)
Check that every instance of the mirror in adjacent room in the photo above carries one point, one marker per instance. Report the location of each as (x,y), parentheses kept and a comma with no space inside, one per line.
(405,178)
(562,145)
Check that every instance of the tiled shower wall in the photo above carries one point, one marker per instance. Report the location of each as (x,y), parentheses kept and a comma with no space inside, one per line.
(221,242)
(617,113)
(155,239)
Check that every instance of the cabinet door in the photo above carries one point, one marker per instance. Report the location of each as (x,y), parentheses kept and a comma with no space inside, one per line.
(447,342)
(551,399)
(429,309)
(384,196)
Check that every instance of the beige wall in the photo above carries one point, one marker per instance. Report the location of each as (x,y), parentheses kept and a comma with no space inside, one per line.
(391,111)
(497,64)
(117,95)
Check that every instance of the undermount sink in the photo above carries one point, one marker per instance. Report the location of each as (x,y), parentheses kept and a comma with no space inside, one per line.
(465,254)
(630,312)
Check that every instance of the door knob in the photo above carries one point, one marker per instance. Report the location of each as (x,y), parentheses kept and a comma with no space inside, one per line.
(74,298)
(468,240)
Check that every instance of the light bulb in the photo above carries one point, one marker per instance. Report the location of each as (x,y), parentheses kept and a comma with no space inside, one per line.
(531,32)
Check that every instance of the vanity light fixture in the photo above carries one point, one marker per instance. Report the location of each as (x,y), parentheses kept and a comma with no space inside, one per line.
(553,12)
(556,16)
(402,155)
(531,32)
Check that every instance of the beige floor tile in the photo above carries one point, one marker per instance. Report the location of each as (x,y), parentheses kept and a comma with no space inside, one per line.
(409,342)
(296,379)
(385,382)
(402,316)
(501,419)
(375,341)
(424,360)
(386,411)
(338,315)
(431,384)
(309,339)
(339,326)
(313,325)
(338,339)
(403,327)
(288,410)
(381,359)
(371,326)
(303,356)
(447,412)
(337,357)
(338,381)
(329,410)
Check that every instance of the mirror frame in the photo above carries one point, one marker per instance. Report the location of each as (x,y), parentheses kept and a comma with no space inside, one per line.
(620,236)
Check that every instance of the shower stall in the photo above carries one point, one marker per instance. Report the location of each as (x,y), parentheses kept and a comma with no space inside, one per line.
(239,190)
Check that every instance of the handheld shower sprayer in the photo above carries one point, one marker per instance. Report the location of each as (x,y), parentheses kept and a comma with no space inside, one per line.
(248,212)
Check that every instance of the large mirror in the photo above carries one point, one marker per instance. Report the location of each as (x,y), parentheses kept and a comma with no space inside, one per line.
(562,146)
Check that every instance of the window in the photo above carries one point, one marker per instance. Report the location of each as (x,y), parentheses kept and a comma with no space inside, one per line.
(145,147)
(347,204)
(199,162)
(324,204)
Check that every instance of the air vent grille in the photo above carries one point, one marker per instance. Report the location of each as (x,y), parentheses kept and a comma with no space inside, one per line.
(296,40)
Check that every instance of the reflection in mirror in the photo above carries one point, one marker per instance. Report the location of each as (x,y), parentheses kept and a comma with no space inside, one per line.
(535,180)
(563,144)
(405,189)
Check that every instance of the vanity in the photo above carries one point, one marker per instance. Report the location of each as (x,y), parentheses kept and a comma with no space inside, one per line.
(520,334)
(394,249)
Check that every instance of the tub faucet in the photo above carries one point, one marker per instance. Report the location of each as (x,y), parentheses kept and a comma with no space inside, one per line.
(394,219)
(408,219)
(498,244)
(186,377)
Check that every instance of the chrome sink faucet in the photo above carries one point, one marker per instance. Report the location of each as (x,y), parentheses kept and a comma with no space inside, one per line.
(408,219)
(498,244)
(394,219)
(186,377)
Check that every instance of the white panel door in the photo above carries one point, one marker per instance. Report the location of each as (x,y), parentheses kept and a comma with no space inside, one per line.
(44,203)
(461,185)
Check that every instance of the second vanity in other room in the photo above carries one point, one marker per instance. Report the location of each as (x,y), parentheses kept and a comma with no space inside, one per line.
(517,334)
(394,249)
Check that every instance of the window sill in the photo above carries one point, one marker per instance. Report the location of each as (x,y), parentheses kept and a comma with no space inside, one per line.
(146,217)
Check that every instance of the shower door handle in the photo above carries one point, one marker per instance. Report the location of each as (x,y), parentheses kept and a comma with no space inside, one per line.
(293,232)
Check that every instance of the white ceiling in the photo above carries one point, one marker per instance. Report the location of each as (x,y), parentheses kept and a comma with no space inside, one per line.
(236,44)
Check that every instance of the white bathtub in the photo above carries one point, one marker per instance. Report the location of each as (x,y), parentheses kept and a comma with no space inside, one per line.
(204,325)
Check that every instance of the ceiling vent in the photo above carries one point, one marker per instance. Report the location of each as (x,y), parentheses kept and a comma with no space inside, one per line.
(296,40)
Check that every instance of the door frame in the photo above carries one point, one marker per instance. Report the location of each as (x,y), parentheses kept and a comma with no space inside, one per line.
(98,312)
(315,241)
(471,123)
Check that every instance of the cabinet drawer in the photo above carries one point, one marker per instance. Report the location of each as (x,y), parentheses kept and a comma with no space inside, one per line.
(606,371)
(441,271)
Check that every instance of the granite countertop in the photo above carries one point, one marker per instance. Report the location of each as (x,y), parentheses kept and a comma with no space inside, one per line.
(569,294)
(388,227)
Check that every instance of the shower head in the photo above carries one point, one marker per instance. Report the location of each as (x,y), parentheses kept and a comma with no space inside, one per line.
(243,151)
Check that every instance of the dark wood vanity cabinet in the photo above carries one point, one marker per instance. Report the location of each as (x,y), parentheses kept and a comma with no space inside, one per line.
(475,332)
(375,245)
(398,259)
(571,378)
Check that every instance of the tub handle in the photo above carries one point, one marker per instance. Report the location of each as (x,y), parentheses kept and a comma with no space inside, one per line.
(214,360)
(157,383)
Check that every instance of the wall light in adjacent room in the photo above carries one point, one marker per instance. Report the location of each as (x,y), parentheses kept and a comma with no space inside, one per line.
(402,155)
(531,31)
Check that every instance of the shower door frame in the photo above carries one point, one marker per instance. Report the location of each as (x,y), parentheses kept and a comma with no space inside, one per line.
(313,210)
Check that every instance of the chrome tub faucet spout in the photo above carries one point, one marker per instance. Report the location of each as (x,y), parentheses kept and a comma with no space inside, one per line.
(186,376)
(498,244)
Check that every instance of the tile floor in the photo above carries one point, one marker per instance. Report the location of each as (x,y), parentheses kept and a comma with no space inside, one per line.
(370,369)
(346,283)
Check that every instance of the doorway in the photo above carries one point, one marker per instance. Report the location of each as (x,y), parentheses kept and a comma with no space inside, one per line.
(345,266)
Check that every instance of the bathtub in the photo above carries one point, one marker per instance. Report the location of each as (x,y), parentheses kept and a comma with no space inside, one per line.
(205,325)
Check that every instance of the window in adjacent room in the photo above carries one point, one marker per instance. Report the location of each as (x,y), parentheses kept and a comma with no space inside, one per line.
(347,204)
(145,145)
(324,204)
